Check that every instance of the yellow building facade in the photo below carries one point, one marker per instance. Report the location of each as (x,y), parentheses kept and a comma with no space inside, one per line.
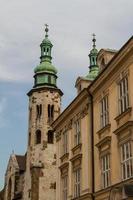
(74,150)
(94,133)
(113,126)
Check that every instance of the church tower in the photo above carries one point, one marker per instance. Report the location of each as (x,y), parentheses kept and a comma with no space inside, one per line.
(44,108)
(84,82)
(94,68)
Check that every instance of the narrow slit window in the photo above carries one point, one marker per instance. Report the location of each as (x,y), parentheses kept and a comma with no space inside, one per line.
(38,137)
(38,111)
(50,137)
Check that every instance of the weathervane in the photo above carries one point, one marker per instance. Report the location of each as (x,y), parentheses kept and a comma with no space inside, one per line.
(46,30)
(94,40)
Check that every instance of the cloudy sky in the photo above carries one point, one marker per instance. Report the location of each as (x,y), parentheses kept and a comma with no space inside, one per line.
(71,23)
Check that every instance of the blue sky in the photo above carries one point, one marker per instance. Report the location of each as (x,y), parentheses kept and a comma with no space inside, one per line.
(72,23)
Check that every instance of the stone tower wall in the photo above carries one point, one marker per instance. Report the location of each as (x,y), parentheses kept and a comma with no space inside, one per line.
(41,158)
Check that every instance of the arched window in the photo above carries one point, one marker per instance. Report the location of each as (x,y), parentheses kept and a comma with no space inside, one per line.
(40,106)
(38,110)
(50,112)
(103,62)
(38,137)
(50,137)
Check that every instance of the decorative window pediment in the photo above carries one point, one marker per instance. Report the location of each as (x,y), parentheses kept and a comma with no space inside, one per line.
(124,132)
(104,144)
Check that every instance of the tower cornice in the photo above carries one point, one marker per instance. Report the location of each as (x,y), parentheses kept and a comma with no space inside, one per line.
(44,88)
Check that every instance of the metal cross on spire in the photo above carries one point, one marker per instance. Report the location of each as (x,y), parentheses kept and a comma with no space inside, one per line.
(94,40)
(46,30)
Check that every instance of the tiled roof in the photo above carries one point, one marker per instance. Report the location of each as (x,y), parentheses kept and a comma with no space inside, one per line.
(21,162)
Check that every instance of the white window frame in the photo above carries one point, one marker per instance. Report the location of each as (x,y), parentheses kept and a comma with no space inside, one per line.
(105,161)
(77,133)
(123,95)
(65,142)
(104,116)
(77,182)
(126,161)
(65,187)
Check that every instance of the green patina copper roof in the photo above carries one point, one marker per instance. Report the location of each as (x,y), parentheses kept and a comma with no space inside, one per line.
(46,41)
(94,51)
(94,69)
(45,63)
(93,73)
(45,72)
(45,67)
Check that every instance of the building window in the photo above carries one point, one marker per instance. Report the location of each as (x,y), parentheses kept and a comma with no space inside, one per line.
(50,112)
(126,161)
(105,171)
(103,63)
(38,110)
(65,187)
(104,112)
(50,137)
(77,174)
(123,95)
(38,137)
(77,133)
(29,193)
(16,182)
(65,141)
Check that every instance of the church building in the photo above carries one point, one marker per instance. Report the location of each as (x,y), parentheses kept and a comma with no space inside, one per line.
(86,151)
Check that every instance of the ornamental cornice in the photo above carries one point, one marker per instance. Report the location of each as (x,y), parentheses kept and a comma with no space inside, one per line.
(76,103)
(104,141)
(122,128)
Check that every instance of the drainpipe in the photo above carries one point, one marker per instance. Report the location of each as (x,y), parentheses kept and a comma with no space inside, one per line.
(92,144)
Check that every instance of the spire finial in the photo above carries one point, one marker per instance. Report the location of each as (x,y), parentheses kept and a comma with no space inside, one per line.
(94,41)
(46,30)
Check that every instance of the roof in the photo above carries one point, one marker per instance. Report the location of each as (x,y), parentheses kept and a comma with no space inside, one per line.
(110,50)
(21,162)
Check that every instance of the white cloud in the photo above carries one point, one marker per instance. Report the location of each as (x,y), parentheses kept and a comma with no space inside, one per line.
(71,25)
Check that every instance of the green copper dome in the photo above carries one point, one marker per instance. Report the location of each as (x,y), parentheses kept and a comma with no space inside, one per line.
(94,51)
(93,73)
(45,72)
(94,69)
(47,41)
(45,67)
